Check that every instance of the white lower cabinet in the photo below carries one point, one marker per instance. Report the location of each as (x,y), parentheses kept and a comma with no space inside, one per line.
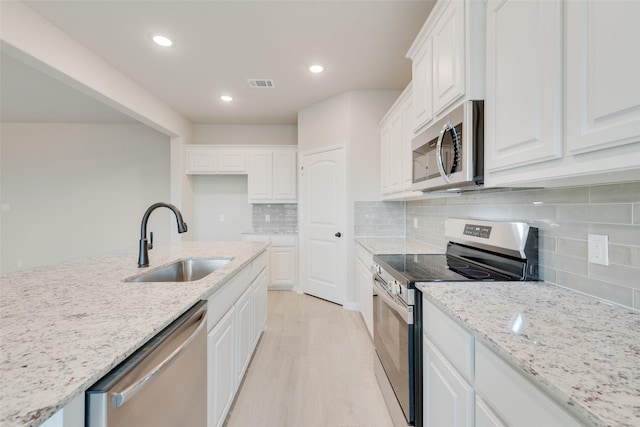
(448,397)
(283,258)
(485,416)
(232,337)
(260,305)
(72,415)
(513,398)
(466,384)
(364,287)
(221,375)
(244,319)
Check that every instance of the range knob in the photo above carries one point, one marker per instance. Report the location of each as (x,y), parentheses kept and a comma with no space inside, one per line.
(394,288)
(375,269)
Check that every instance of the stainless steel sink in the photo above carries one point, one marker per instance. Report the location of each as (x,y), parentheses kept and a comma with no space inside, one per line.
(184,270)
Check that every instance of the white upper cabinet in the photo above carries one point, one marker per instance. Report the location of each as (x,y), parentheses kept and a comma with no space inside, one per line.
(448,59)
(603,69)
(563,99)
(448,56)
(272,175)
(216,159)
(523,106)
(396,162)
(422,70)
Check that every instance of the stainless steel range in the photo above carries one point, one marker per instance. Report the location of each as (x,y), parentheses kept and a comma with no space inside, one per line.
(478,250)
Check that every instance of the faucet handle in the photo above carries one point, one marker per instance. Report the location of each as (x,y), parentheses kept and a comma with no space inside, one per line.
(150,244)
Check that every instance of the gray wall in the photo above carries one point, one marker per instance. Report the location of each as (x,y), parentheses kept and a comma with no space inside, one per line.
(565,217)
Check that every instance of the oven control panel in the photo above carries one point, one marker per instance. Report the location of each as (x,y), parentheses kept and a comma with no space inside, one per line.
(482,231)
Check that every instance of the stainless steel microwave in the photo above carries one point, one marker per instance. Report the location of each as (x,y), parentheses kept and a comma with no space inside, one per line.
(449,154)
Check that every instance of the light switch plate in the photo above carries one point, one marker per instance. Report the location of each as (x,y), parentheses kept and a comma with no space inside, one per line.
(267,218)
(415,222)
(598,249)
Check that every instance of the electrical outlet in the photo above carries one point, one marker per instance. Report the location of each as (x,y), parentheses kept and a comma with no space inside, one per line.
(221,217)
(415,222)
(598,249)
(267,218)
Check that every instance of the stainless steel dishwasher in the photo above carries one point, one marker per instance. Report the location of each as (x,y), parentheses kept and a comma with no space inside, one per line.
(163,384)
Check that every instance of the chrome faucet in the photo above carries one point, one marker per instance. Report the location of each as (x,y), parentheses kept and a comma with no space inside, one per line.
(143,255)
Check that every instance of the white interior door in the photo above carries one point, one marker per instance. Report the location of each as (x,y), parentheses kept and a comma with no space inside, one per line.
(323,220)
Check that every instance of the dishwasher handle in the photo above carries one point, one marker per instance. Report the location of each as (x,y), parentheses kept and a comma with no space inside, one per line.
(120,398)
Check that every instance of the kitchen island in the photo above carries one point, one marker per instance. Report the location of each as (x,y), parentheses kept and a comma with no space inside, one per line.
(582,352)
(65,326)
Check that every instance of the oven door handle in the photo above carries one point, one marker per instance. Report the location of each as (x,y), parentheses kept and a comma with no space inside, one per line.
(406,312)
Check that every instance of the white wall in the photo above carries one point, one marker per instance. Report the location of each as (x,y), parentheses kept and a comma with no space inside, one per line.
(324,124)
(74,190)
(216,195)
(367,109)
(246,134)
(30,38)
(352,119)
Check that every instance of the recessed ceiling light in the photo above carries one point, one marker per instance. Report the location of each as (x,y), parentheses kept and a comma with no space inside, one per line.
(316,68)
(161,40)
(226,98)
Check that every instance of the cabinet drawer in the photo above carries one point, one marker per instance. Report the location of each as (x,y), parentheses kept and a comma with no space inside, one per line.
(224,298)
(286,240)
(455,342)
(364,255)
(259,264)
(513,398)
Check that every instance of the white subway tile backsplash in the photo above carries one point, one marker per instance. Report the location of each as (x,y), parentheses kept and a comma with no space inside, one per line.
(600,213)
(615,193)
(609,291)
(564,216)
(621,254)
(572,247)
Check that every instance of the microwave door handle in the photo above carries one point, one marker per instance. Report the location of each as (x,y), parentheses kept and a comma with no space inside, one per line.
(448,127)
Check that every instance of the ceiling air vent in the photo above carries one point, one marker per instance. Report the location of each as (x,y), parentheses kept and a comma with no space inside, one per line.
(260,83)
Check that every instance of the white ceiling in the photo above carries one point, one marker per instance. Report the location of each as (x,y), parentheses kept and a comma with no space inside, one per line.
(220,44)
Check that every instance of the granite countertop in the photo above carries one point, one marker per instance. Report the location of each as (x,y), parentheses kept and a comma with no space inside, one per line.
(396,245)
(63,327)
(582,351)
(271,231)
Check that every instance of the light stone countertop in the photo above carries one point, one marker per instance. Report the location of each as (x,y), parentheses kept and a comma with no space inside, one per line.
(396,245)
(582,351)
(65,326)
(268,231)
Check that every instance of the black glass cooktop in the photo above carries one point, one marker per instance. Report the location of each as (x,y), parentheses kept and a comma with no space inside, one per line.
(436,268)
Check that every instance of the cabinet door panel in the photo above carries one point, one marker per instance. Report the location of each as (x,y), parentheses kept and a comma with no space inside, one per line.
(221,373)
(422,70)
(259,306)
(448,56)
(283,265)
(284,180)
(395,153)
(603,65)
(244,327)
(201,161)
(232,161)
(513,398)
(407,136)
(448,399)
(523,105)
(260,179)
(485,416)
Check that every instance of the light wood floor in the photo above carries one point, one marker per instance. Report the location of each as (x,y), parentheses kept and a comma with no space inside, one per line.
(313,368)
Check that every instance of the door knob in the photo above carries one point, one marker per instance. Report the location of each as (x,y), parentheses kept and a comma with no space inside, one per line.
(338,234)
